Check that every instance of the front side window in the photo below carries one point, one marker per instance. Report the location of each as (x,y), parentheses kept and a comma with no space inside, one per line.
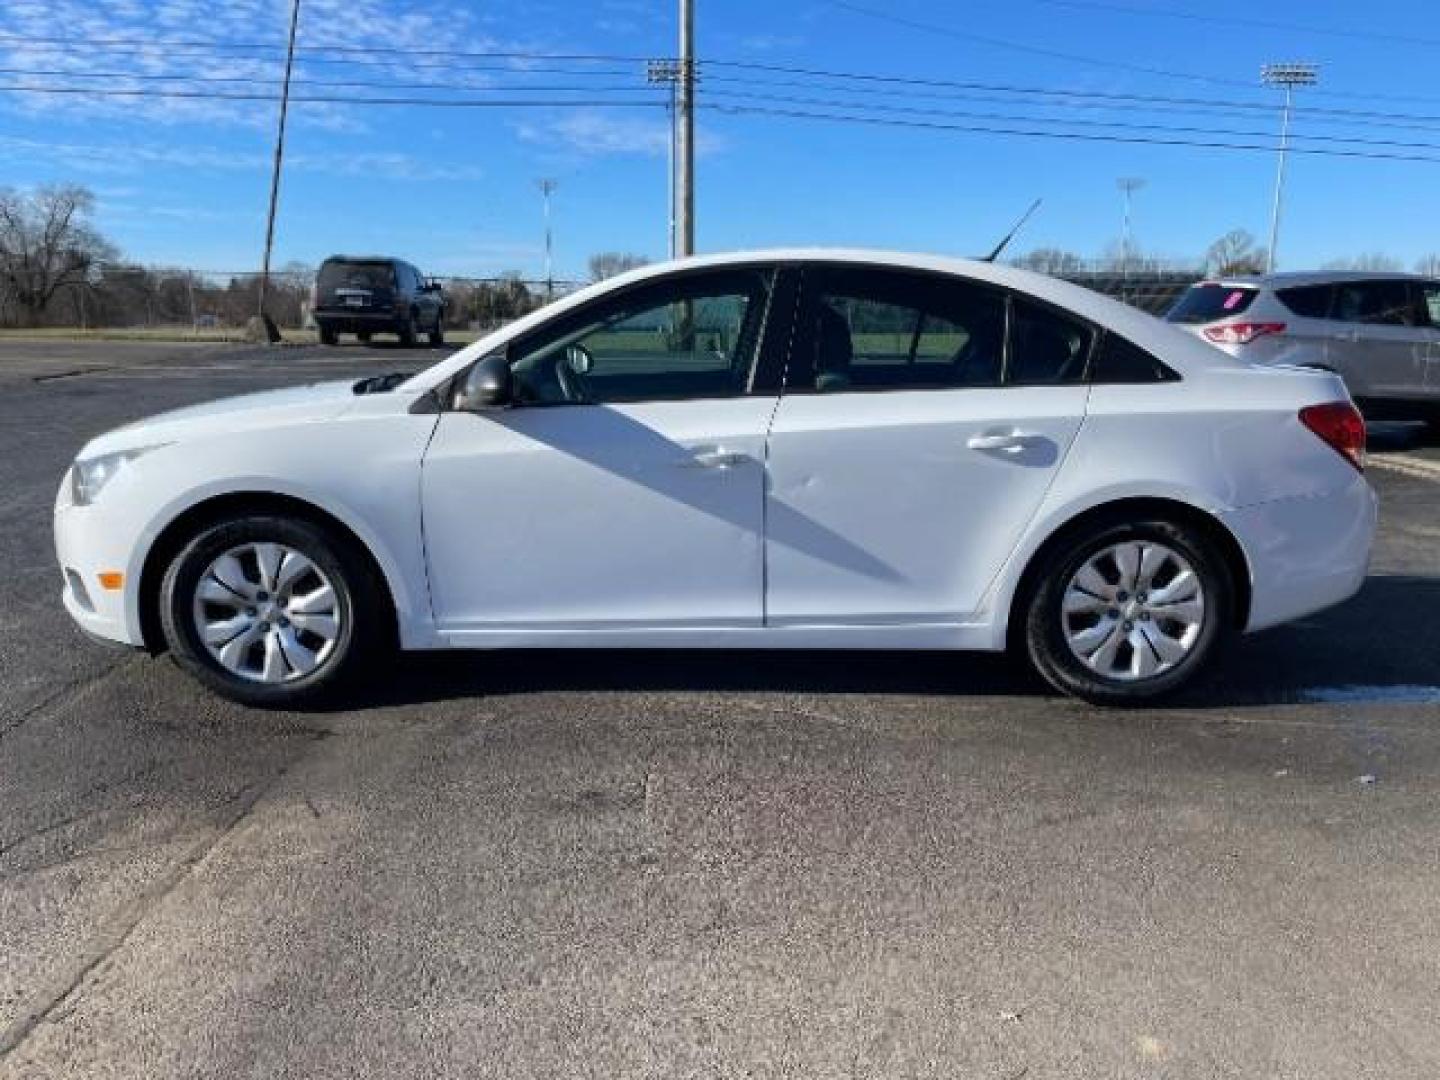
(692,337)
(875,329)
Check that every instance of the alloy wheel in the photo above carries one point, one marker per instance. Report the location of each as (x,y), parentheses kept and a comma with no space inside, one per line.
(267,613)
(1133,610)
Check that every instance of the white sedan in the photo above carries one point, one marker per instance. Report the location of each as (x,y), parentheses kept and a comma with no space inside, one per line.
(788,449)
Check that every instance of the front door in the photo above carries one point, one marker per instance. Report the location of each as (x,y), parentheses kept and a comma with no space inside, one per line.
(911,445)
(625,489)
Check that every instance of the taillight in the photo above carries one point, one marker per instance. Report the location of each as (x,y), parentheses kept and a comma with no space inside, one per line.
(1242,333)
(1341,426)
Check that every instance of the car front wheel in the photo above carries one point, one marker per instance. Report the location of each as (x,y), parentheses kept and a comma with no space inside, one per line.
(271,611)
(1130,613)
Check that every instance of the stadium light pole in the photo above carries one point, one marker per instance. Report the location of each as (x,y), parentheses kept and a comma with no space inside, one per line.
(270,332)
(547,188)
(1128,185)
(1288,76)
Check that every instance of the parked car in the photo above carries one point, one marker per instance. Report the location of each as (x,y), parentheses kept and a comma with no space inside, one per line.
(795,449)
(370,294)
(1380,332)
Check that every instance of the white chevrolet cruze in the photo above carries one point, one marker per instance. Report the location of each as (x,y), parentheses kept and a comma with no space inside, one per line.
(790,449)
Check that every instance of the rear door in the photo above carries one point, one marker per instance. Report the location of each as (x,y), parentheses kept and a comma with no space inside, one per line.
(923,418)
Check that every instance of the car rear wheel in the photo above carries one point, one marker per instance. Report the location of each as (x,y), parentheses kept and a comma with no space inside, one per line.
(1130,613)
(406,330)
(271,611)
(437,335)
(364,337)
(328,336)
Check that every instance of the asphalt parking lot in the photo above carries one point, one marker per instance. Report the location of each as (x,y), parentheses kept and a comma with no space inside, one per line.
(706,864)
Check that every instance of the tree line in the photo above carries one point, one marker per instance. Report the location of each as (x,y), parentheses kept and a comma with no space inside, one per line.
(56,269)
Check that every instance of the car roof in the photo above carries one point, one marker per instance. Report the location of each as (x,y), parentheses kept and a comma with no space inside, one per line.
(364,259)
(1143,329)
(1295,278)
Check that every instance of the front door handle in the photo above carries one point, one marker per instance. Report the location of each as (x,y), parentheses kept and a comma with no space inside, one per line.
(1010,441)
(714,458)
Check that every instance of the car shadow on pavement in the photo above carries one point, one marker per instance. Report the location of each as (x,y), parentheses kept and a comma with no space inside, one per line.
(1387,637)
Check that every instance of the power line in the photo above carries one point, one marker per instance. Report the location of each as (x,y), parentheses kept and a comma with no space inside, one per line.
(1067,121)
(1020,46)
(1232,21)
(988,129)
(446,103)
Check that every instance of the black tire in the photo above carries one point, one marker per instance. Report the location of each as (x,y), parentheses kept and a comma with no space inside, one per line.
(406,331)
(364,337)
(437,335)
(328,336)
(1044,629)
(364,617)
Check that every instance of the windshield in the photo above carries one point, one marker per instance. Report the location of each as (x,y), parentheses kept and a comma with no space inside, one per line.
(344,274)
(1210,302)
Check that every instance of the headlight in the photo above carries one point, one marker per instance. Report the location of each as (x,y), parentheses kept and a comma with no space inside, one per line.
(89,476)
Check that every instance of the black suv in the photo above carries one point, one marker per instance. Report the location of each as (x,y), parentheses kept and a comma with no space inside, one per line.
(367,294)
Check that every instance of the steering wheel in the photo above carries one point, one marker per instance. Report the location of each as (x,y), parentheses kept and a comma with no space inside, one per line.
(570,369)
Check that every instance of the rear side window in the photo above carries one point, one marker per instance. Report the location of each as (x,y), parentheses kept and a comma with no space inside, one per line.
(1121,361)
(880,329)
(1210,302)
(1308,301)
(1378,303)
(1046,348)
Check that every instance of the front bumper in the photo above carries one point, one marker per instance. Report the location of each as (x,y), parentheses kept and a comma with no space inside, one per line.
(1305,554)
(86,547)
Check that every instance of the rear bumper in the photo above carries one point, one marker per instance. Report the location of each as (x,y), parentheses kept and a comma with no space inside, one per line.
(344,321)
(1305,554)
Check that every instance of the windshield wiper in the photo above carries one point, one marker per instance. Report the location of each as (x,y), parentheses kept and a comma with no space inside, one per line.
(380,384)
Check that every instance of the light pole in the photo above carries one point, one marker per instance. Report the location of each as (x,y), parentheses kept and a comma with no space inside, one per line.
(1128,185)
(1289,76)
(547,188)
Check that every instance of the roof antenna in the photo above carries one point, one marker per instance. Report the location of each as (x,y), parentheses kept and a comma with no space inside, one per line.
(1005,242)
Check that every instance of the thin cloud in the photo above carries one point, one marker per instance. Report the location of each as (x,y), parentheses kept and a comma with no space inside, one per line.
(594,133)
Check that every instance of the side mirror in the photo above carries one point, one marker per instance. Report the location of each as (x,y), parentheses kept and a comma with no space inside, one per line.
(487,385)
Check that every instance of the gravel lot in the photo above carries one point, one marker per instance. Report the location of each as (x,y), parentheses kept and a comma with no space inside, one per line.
(705,864)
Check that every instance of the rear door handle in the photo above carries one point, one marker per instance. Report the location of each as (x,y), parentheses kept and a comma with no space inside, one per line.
(1001,440)
(714,458)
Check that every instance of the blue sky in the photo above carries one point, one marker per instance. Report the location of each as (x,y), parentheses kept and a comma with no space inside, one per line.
(185,180)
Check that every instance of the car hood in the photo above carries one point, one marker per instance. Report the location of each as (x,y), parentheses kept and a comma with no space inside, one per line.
(248,412)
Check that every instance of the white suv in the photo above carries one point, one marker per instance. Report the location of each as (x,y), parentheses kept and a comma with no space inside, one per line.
(1380,332)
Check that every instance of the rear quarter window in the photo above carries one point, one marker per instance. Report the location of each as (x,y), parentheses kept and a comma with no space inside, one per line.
(1307,301)
(1210,302)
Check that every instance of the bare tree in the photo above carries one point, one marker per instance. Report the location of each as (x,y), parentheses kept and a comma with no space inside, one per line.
(1051,261)
(1374,261)
(1428,265)
(608,264)
(46,244)
(1235,253)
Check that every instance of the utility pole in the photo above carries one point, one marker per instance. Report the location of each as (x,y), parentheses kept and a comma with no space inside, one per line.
(686,211)
(1288,76)
(667,72)
(1128,185)
(547,188)
(275,173)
